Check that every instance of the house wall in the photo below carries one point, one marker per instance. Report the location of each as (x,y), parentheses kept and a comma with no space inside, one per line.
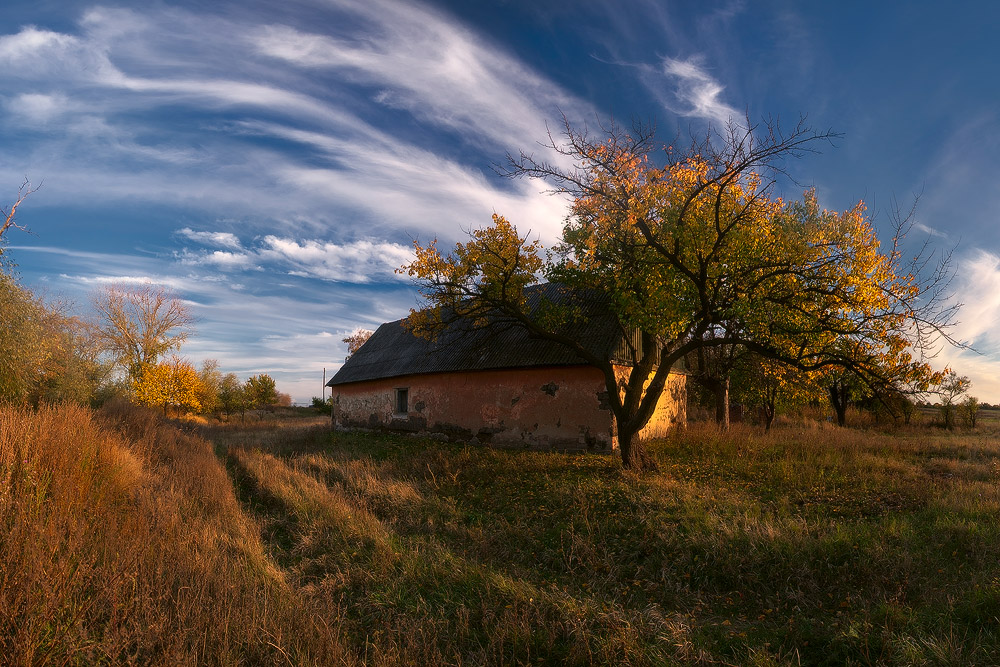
(562,407)
(544,408)
(671,408)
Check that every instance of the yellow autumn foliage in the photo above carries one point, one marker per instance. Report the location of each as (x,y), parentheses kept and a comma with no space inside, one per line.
(697,251)
(171,384)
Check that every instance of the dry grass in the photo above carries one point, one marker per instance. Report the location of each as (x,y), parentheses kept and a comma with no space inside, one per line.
(122,542)
(130,541)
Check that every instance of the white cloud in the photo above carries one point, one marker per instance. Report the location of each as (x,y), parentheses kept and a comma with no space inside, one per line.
(37,108)
(50,58)
(357,262)
(221,239)
(220,259)
(927,229)
(977,288)
(173,282)
(31,44)
(697,93)
(360,261)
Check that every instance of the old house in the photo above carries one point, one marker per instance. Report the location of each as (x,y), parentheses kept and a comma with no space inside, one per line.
(495,384)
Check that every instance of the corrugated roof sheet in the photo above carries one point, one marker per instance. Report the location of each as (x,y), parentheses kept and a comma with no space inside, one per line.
(393,351)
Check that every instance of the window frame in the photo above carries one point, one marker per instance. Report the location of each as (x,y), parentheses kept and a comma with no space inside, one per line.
(401,397)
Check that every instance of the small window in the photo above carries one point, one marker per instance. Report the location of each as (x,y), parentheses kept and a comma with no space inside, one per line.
(402,401)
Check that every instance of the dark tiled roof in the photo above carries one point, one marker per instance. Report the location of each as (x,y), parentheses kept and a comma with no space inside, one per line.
(393,351)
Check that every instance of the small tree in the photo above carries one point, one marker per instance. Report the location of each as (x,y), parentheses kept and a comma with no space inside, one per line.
(355,340)
(767,385)
(260,391)
(232,394)
(950,389)
(969,411)
(172,384)
(211,380)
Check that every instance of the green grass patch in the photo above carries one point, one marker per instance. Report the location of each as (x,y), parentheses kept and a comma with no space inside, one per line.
(821,546)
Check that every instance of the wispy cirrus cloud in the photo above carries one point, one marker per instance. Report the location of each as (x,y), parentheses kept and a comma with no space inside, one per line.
(104,89)
(424,61)
(927,229)
(695,92)
(255,149)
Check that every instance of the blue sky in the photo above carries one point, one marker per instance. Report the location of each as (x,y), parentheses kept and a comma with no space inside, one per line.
(273,161)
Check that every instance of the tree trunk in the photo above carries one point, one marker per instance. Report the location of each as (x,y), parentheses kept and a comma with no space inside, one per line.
(838,398)
(633,449)
(722,403)
(720,391)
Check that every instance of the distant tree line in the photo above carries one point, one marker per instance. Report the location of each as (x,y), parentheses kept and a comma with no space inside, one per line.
(128,350)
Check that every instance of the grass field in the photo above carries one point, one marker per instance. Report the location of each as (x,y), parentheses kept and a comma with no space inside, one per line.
(126,540)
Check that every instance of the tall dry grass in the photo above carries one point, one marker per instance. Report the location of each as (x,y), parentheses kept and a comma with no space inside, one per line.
(121,541)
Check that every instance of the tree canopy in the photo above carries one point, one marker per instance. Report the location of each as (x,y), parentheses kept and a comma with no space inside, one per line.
(260,391)
(171,384)
(694,250)
(140,323)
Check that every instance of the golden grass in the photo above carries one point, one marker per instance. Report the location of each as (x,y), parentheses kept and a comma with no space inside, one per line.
(122,541)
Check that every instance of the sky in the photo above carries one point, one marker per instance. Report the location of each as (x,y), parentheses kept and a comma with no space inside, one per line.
(273,162)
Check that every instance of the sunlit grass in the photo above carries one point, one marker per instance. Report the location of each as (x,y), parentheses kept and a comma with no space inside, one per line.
(121,541)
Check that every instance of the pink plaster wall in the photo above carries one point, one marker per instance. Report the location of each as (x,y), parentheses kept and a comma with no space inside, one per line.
(551,407)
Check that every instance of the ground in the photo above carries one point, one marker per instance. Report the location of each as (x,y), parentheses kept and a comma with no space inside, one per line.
(820,544)
(810,545)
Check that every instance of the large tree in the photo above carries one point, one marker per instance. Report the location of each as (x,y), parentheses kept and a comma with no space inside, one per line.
(140,323)
(45,354)
(693,250)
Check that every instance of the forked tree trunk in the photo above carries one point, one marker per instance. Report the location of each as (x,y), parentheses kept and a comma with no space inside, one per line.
(768,409)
